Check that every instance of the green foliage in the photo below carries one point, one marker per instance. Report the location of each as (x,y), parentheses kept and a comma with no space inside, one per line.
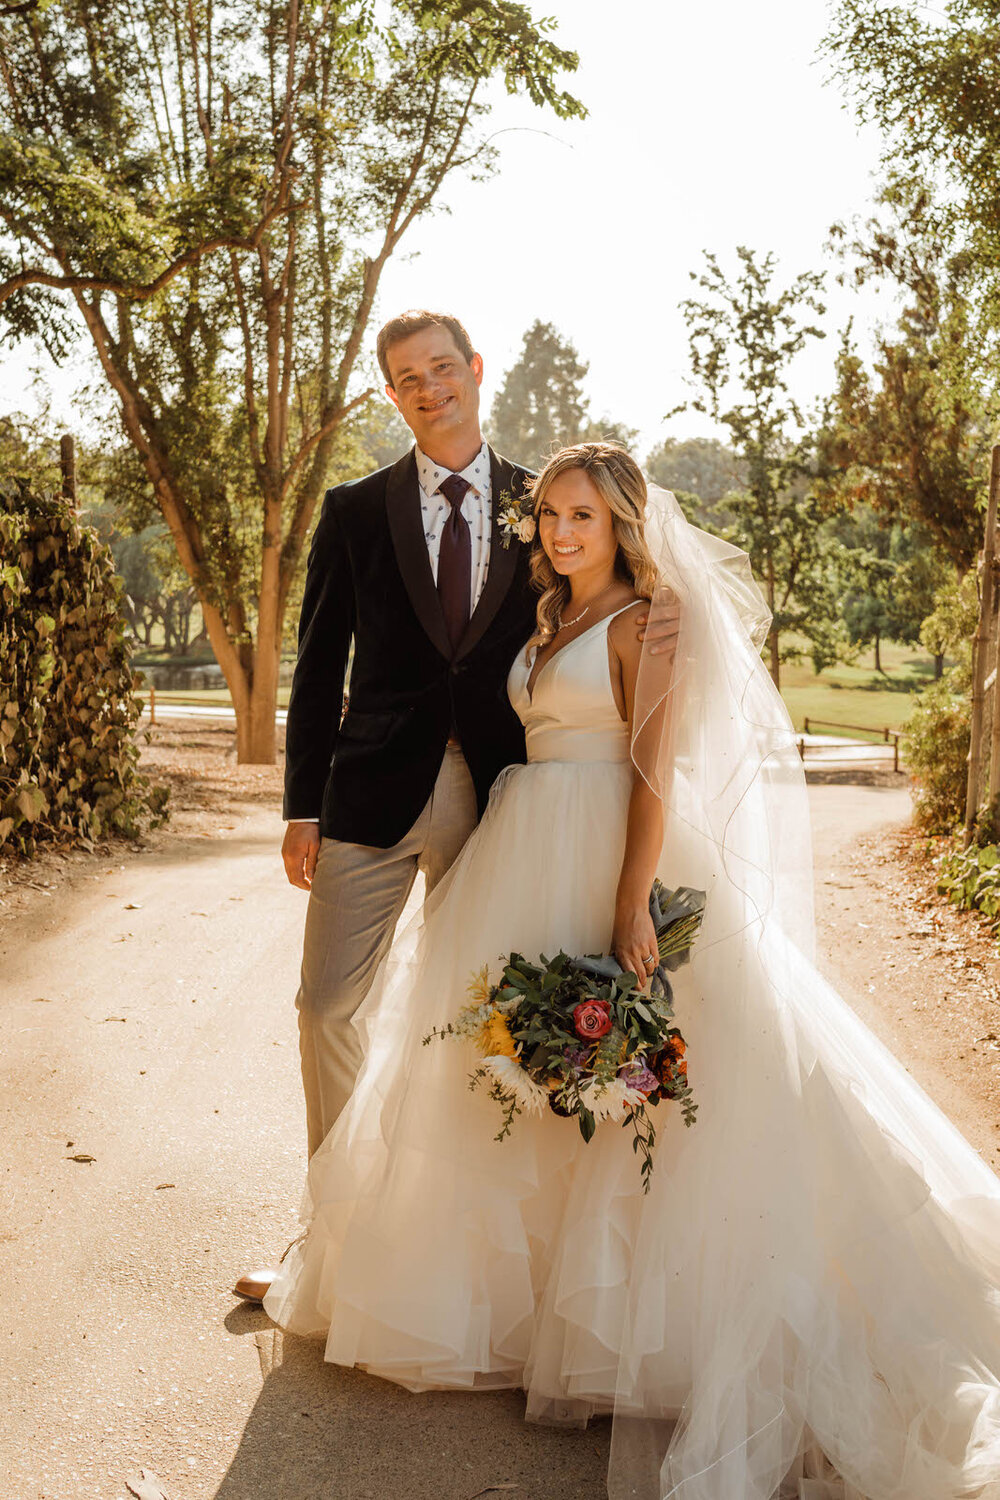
(936,748)
(891,572)
(951,625)
(213,193)
(701,472)
(939,729)
(911,435)
(540,406)
(743,337)
(970,878)
(68,711)
(929,78)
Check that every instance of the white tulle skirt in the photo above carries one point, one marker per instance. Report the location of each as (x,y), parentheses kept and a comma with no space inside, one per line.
(804,1303)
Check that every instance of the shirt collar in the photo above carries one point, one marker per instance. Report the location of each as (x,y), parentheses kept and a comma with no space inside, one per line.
(477,473)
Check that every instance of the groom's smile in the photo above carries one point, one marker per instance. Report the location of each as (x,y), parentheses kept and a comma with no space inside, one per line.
(436,391)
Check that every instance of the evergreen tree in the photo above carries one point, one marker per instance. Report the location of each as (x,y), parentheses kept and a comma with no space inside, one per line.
(540,406)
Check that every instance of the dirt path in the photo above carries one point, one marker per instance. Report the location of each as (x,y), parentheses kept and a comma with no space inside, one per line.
(147,1002)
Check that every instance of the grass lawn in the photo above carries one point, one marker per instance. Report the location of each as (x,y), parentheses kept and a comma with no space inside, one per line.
(203,695)
(857,694)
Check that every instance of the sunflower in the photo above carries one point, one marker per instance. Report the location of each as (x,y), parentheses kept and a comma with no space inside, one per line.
(495,1039)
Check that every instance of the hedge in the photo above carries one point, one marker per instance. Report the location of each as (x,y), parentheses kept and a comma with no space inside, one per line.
(68,707)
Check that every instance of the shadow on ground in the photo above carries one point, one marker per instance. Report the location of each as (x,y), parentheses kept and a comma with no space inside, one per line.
(320,1432)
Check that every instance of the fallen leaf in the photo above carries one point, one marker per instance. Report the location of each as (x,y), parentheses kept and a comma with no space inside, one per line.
(205,914)
(148,1487)
(41,999)
(134,906)
(121,1018)
(160,1185)
(81,1156)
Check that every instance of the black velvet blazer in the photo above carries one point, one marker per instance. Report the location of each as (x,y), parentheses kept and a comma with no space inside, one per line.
(367,777)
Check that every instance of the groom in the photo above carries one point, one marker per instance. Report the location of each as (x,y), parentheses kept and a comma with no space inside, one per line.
(411,565)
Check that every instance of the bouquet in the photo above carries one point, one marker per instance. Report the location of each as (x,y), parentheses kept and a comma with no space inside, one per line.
(580,1037)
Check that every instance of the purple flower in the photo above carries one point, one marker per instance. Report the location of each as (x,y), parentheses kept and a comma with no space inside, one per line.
(638,1076)
(575,1056)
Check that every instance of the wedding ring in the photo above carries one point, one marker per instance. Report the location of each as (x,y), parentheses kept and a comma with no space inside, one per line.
(649,959)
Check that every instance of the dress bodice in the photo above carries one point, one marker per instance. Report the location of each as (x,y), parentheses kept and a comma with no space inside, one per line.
(571,713)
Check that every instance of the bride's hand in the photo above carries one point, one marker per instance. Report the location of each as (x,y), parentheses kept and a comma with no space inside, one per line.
(634,940)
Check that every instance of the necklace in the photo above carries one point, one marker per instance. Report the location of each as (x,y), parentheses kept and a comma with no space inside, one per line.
(565,624)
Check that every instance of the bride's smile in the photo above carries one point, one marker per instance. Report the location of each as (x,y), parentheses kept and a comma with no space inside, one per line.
(576,531)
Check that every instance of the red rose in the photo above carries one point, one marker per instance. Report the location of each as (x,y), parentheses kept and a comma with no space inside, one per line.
(592,1019)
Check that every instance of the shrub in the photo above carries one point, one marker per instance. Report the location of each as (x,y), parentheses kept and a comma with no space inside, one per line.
(68,710)
(971,879)
(936,747)
(936,742)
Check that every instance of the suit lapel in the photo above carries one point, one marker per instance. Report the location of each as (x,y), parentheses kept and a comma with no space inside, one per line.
(406,527)
(503,560)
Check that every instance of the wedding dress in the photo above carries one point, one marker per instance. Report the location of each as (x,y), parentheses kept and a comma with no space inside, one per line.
(805,1303)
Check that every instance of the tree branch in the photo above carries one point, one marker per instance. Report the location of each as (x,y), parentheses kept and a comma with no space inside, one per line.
(142,291)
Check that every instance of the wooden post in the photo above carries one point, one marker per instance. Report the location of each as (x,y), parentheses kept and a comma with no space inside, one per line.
(152,714)
(67,462)
(993,785)
(980,652)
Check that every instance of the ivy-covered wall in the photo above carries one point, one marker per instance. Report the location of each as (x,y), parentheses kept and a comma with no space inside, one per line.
(68,710)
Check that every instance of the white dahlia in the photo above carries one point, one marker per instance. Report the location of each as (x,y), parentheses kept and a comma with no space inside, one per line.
(531,1097)
(612,1100)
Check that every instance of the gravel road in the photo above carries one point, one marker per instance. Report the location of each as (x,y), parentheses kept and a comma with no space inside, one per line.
(147,1002)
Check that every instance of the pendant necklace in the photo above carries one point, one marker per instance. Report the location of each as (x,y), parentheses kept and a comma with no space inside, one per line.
(565,624)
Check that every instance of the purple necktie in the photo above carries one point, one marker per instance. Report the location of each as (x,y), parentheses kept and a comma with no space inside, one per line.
(455,561)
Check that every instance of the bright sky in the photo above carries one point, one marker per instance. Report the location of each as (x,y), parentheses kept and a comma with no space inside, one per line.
(710,126)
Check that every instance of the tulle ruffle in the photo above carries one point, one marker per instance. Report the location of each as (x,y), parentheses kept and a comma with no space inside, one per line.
(809,1289)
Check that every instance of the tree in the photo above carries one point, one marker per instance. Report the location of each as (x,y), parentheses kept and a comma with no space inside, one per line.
(929,79)
(541,406)
(742,339)
(911,436)
(700,466)
(701,472)
(214,190)
(891,574)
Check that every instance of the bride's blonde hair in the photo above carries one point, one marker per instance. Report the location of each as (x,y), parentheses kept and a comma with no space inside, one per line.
(618,479)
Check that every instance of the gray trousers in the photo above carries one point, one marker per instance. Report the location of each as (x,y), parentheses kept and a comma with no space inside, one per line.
(356,899)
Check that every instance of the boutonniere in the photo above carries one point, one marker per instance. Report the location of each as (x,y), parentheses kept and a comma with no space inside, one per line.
(515,518)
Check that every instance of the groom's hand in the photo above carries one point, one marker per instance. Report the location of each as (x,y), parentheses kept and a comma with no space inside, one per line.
(300,851)
(661,636)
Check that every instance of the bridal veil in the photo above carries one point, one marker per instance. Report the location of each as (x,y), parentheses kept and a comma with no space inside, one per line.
(842,1238)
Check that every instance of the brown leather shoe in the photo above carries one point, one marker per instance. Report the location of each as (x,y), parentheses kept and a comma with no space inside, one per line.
(255,1286)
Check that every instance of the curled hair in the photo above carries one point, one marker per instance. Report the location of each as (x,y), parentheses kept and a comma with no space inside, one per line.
(618,479)
(415,321)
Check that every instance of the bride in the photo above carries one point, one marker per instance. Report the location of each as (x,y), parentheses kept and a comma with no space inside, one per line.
(805,1303)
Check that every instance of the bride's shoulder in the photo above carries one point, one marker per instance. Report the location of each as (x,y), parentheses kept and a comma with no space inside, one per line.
(623,632)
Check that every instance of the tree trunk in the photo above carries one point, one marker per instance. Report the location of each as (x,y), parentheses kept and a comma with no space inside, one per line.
(878,654)
(256,731)
(938,666)
(772,635)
